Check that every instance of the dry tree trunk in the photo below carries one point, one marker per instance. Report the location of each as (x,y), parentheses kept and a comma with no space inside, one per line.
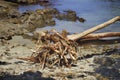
(100,35)
(80,35)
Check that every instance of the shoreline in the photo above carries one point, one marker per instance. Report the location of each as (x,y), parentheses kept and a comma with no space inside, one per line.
(14,43)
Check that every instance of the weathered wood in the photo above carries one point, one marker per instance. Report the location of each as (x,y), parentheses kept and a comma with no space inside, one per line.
(100,35)
(84,33)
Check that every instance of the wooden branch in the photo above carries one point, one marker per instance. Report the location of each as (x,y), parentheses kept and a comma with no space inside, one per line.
(84,33)
(100,35)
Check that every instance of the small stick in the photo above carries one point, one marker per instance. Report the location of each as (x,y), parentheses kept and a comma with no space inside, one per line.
(44,60)
(57,60)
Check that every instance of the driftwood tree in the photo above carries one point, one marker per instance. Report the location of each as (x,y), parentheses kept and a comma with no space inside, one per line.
(103,25)
(54,48)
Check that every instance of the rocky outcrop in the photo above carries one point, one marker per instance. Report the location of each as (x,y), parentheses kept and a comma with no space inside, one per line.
(24,1)
(7,30)
(38,18)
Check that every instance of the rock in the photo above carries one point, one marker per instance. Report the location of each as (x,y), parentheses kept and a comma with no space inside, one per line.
(111,73)
(29,75)
(71,15)
(3,63)
(9,29)
(81,20)
(24,1)
(68,15)
(39,18)
(104,61)
(7,8)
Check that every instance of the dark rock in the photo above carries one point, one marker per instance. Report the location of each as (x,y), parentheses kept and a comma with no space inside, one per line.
(71,15)
(29,75)
(60,16)
(39,18)
(7,9)
(68,15)
(24,1)
(104,61)
(111,73)
(3,63)
(81,20)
